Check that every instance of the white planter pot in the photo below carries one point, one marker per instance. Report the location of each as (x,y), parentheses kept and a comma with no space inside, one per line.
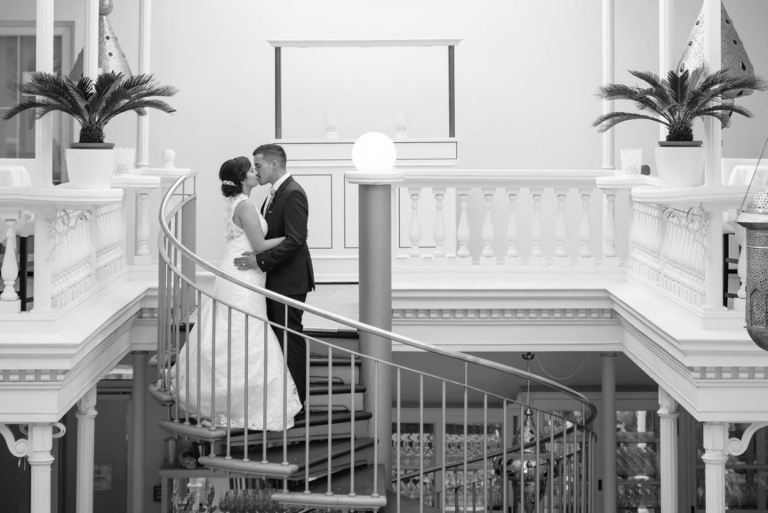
(90,168)
(680,166)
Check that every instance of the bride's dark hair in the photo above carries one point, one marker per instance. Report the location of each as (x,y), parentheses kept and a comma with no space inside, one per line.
(232,174)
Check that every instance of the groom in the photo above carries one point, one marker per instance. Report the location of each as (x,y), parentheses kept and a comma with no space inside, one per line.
(288,265)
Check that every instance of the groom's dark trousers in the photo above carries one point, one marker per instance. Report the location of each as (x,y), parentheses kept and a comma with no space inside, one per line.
(289,271)
(297,347)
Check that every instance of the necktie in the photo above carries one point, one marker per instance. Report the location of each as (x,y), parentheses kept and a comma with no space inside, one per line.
(269,201)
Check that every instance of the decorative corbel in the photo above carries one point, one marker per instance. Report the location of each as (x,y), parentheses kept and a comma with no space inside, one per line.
(737,446)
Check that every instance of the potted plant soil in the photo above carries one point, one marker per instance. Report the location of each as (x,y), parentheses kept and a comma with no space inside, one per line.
(675,103)
(90,161)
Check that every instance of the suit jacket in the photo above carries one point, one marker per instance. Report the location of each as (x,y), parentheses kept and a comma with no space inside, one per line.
(288,265)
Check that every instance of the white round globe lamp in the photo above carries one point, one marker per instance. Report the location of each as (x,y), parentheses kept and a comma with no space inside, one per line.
(374,156)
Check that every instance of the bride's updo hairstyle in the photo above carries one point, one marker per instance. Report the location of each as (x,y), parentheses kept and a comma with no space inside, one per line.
(232,174)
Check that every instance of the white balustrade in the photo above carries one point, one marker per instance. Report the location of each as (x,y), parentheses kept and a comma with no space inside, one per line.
(525,227)
(79,239)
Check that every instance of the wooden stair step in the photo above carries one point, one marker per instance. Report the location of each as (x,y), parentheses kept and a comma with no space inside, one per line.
(318,428)
(407,505)
(340,497)
(340,396)
(295,465)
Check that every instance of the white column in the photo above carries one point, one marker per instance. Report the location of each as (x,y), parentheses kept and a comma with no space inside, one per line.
(145,32)
(715,456)
(44,126)
(487,255)
(40,438)
(86,436)
(43,277)
(142,256)
(608,77)
(668,450)
(91,42)
(665,48)
(713,58)
(609,431)
(136,455)
(9,299)
(713,266)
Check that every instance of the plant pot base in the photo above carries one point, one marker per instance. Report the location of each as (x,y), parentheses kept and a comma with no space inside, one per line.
(680,165)
(90,168)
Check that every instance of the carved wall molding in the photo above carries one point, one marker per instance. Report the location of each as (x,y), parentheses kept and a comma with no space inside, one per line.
(33,375)
(513,315)
(728,373)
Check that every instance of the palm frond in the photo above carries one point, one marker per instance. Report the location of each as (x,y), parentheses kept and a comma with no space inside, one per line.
(648,77)
(140,106)
(611,119)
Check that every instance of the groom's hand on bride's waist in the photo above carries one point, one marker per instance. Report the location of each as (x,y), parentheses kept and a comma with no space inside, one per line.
(246,261)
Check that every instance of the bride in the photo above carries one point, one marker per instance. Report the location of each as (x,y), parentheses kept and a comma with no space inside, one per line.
(244,230)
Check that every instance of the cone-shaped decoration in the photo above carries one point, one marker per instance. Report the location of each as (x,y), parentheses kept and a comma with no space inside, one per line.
(111,56)
(734,56)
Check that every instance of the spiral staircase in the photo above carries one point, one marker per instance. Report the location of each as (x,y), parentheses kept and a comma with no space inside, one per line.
(344,453)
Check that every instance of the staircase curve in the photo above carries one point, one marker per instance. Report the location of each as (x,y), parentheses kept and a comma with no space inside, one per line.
(503,453)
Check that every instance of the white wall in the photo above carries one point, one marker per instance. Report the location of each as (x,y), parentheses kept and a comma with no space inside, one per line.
(526,74)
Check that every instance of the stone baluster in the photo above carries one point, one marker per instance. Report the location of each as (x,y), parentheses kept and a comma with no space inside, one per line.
(586,259)
(610,259)
(142,255)
(463,257)
(561,231)
(414,232)
(487,255)
(9,300)
(536,258)
(439,230)
(512,257)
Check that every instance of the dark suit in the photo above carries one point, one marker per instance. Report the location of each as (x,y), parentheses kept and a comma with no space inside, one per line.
(289,270)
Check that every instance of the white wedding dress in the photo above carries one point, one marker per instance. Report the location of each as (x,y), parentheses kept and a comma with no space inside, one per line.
(254,304)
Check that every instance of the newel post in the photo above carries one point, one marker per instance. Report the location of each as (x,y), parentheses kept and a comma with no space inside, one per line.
(374,157)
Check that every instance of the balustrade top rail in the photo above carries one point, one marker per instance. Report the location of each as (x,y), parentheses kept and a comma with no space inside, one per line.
(503,177)
(165,214)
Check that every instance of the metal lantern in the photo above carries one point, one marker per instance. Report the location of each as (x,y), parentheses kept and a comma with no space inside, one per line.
(111,56)
(734,55)
(753,216)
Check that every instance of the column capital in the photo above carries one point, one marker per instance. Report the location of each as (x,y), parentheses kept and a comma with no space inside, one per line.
(667,404)
(86,406)
(609,354)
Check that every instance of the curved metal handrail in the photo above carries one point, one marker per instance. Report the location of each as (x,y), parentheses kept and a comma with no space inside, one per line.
(356,324)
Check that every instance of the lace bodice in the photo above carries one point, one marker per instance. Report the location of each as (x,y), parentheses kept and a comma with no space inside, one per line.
(231,230)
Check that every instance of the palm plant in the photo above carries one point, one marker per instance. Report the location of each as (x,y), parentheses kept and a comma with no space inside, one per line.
(92,103)
(681,98)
